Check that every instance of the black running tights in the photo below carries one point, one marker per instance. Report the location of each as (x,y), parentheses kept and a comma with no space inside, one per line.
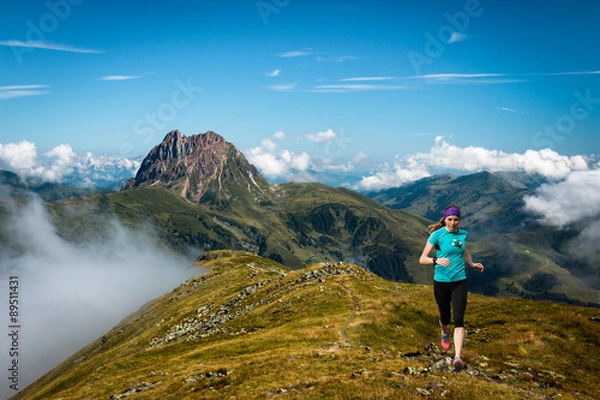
(451,294)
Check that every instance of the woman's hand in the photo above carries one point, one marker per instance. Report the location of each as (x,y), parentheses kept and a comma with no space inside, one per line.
(444,262)
(478,266)
(470,262)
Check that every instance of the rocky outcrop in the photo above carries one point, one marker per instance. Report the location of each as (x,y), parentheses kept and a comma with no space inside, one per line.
(211,320)
(204,168)
(133,389)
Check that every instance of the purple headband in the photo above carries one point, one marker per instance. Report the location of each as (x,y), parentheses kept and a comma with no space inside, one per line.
(451,211)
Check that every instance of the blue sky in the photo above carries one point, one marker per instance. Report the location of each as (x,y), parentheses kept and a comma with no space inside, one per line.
(388,90)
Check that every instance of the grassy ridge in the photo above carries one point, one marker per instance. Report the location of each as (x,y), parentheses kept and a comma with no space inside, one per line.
(252,328)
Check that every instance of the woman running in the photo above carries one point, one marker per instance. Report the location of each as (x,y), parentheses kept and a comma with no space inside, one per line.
(450,285)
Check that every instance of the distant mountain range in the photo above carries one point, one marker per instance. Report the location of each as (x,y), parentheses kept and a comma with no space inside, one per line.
(48,191)
(200,193)
(491,203)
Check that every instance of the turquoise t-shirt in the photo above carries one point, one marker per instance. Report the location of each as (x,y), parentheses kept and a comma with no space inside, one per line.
(449,245)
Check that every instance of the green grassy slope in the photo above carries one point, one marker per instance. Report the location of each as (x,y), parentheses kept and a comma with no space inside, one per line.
(251,328)
(174,220)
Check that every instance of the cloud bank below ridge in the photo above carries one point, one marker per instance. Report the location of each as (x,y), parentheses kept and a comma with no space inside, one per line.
(72,293)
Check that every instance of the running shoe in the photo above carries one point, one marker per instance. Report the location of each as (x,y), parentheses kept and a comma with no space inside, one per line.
(458,364)
(446,342)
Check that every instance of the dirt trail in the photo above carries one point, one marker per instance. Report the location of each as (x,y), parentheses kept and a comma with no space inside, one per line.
(344,328)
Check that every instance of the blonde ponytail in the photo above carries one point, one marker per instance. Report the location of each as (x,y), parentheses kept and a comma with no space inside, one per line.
(437,225)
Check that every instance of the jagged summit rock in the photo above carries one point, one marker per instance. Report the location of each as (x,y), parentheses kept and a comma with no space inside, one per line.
(203,168)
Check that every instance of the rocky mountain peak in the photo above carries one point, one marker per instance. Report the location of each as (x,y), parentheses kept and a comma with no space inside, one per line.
(175,145)
(204,168)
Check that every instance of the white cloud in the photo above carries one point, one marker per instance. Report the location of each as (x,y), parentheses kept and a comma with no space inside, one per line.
(546,162)
(105,163)
(19,156)
(15,91)
(62,163)
(322,137)
(269,145)
(360,156)
(452,78)
(457,37)
(585,245)
(511,110)
(275,162)
(283,88)
(575,199)
(118,77)
(336,59)
(376,83)
(567,73)
(279,135)
(491,78)
(357,87)
(456,76)
(301,162)
(274,73)
(391,176)
(268,163)
(22,87)
(44,45)
(88,286)
(340,168)
(574,202)
(444,156)
(296,53)
(368,78)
